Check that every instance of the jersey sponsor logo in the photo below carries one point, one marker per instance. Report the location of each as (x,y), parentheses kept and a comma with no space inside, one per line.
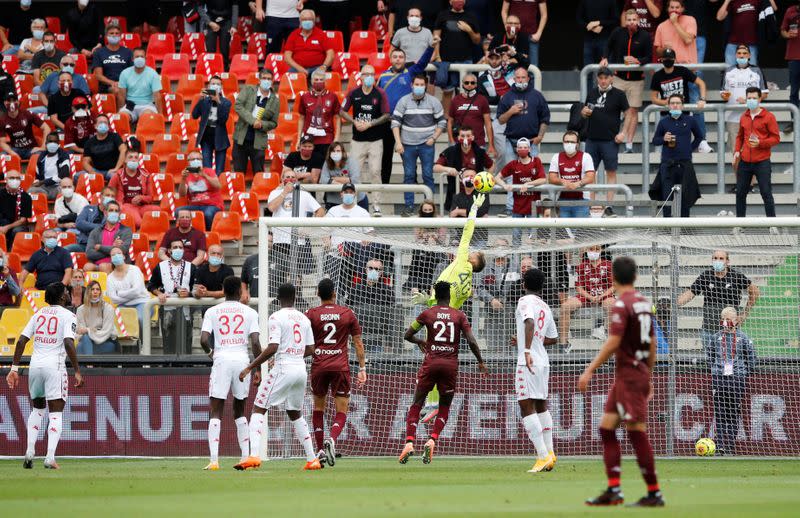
(327,352)
(442,349)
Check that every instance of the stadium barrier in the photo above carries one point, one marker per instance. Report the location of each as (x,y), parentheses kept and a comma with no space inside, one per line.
(466,68)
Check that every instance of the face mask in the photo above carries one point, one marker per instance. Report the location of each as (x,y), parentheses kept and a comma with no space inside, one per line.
(521,86)
(414,21)
(12,107)
(214,260)
(102,128)
(265,84)
(66,87)
(94,300)
(668,63)
(595,214)
(318,87)
(117,259)
(13,183)
(349,198)
(426,215)
(81,113)
(52,147)
(570,147)
(184,223)
(728,324)
(719,266)
(107,200)
(742,61)
(48,47)
(419,91)
(138,62)
(132,164)
(523,153)
(465,142)
(112,217)
(25,3)
(752,104)
(68,68)
(177,254)
(512,30)
(51,243)
(83,3)
(215,88)
(593,256)
(307,25)
(67,192)
(37,35)
(195,164)
(2,262)
(675,113)
(77,282)
(113,40)
(368,81)
(469,93)
(373,275)
(336,156)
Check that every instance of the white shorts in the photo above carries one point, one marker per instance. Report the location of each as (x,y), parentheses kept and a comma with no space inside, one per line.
(283,384)
(532,386)
(48,383)
(225,378)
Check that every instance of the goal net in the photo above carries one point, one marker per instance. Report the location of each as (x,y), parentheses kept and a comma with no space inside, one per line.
(735,385)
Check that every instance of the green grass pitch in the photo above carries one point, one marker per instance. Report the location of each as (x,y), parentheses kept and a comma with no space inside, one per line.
(381,487)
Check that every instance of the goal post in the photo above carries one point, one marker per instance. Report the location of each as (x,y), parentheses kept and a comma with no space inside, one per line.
(754,411)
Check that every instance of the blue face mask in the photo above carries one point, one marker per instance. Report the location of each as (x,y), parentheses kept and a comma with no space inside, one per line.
(52,147)
(369,81)
(139,62)
(373,275)
(102,128)
(719,266)
(419,91)
(68,69)
(195,164)
(51,243)
(132,164)
(37,34)
(117,259)
(349,198)
(752,104)
(307,25)
(112,217)
(742,61)
(113,40)
(265,84)
(177,254)
(214,260)
(675,113)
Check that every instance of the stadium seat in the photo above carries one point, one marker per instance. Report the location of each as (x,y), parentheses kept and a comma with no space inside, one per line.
(10,64)
(243,64)
(257,44)
(172,201)
(190,85)
(163,182)
(174,105)
(150,162)
(25,244)
(24,83)
(44,222)
(31,100)
(128,217)
(155,223)
(276,165)
(292,85)
(165,145)
(104,103)
(81,65)
(120,123)
(160,44)
(90,184)
(9,163)
(363,44)
(231,183)
(176,163)
(63,43)
(380,61)
(379,25)
(333,82)
(235,46)
(32,300)
(3,243)
(230,84)
(335,40)
(14,321)
(277,64)
(140,242)
(228,225)
(78,259)
(53,24)
(212,238)
(147,262)
(184,127)
(131,40)
(6,349)
(38,203)
(287,128)
(130,319)
(245,26)
(101,277)
(346,64)
(246,205)
(175,65)
(193,44)
(199,221)
(209,64)
(150,125)
(122,21)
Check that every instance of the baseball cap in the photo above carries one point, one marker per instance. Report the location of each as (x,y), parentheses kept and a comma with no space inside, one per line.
(523,142)
(80,101)
(11,96)
(306,139)
(668,53)
(604,71)
(348,187)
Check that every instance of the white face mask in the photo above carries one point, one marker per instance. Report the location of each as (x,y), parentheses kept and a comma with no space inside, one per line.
(67,192)
(593,256)
(13,183)
(81,113)
(414,21)
(570,147)
(336,156)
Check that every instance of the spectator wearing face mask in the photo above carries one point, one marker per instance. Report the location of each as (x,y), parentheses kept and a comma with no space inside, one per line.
(735,82)
(125,285)
(213,110)
(139,88)
(194,241)
(59,105)
(79,128)
(526,172)
(85,27)
(51,263)
(102,239)
(496,81)
(15,207)
(30,46)
(306,162)
(51,166)
(414,39)
(16,129)
(174,277)
(9,284)
(513,42)
(201,187)
(525,113)
(743,18)
(471,109)
(209,277)
(109,60)
(573,169)
(339,168)
(15,24)
(464,154)
(258,108)
(68,206)
(53,83)
(308,47)
(104,151)
(92,217)
(134,187)
(47,60)
(319,114)
(77,290)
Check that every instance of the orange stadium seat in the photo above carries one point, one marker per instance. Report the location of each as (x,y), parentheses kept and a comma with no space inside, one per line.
(173,105)
(90,184)
(150,162)
(277,64)
(263,184)
(160,44)
(209,64)
(131,40)
(154,224)
(236,44)
(10,64)
(257,44)
(81,65)
(212,238)
(104,103)
(3,243)
(140,243)
(176,163)
(151,123)
(246,205)
(380,61)
(25,244)
(190,127)
(122,21)
(120,123)
(165,182)
(190,85)
(66,238)
(231,183)
(175,65)
(228,225)
(230,83)
(287,127)
(146,262)
(44,222)
(94,84)
(31,100)
(24,83)
(63,43)
(333,82)
(14,262)
(199,221)
(11,163)
(165,145)
(346,64)
(363,44)
(38,203)
(172,201)
(335,40)
(53,23)
(243,64)
(193,44)
(128,218)
(276,165)
(292,84)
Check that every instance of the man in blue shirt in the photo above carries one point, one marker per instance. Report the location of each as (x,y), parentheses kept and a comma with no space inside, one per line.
(675,134)
(110,60)
(51,263)
(524,111)
(50,84)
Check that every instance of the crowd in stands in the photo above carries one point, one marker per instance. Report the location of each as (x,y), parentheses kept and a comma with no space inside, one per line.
(113,139)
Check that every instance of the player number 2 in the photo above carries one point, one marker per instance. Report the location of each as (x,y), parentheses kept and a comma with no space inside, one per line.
(329,328)
(645,328)
(440,328)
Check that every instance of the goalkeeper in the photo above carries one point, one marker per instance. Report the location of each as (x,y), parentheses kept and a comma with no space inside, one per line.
(459,275)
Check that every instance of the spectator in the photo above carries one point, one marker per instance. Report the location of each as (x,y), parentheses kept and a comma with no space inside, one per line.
(515,42)
(306,162)
(220,19)
(85,27)
(103,239)
(465,154)
(201,187)
(678,32)
(47,60)
(193,240)
(96,332)
(340,169)
(675,80)
(109,60)
(372,300)
(493,287)
(525,172)
(496,82)
(213,110)
(7,87)
(258,109)
(630,45)
(674,132)
(758,134)
(92,217)
(15,207)
(30,46)
(471,109)
(345,250)
(424,261)
(370,121)
(104,152)
(742,28)
(417,121)
(319,114)
(524,111)
(335,15)
(462,204)
(647,12)
(730,357)
(735,82)
(59,105)
(279,20)
(79,127)
(307,47)
(604,107)
(17,125)
(138,87)
(413,39)
(790,31)
(51,166)
(598,18)
(209,277)
(399,8)
(721,286)
(174,278)
(594,288)
(50,264)
(572,169)
(9,284)
(68,206)
(532,18)
(15,22)
(134,187)
(77,290)
(125,285)
(459,33)
(250,278)
(52,85)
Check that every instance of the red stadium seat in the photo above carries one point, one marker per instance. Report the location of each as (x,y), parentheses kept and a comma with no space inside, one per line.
(26,243)
(187,131)
(228,225)
(236,44)
(150,162)
(104,103)
(212,238)
(63,43)
(190,85)
(66,238)
(346,64)
(231,183)
(3,243)
(199,221)
(230,84)
(257,44)
(292,84)
(38,203)
(176,163)
(246,205)
(120,123)
(193,44)
(380,61)
(94,84)
(363,44)
(160,44)
(244,27)
(140,242)
(81,65)
(155,223)
(243,64)
(44,221)
(147,261)
(175,65)
(11,163)
(119,20)
(263,184)
(277,64)
(90,185)
(53,24)
(10,64)
(209,64)
(24,83)
(174,105)
(14,262)
(335,40)
(165,183)
(31,100)
(131,40)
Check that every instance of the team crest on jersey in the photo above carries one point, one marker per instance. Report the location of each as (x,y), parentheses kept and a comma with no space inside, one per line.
(74,326)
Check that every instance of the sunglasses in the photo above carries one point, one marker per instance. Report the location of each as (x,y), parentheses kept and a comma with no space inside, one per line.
(469,83)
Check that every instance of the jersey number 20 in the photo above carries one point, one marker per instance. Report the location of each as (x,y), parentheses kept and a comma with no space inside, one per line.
(46,325)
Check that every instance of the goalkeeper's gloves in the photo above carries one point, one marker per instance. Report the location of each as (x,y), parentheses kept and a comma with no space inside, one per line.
(419,298)
(479,199)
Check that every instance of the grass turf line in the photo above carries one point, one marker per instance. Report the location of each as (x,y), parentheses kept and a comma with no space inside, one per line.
(380,487)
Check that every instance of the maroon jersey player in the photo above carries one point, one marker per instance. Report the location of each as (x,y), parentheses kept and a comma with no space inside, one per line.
(632,339)
(444,326)
(333,325)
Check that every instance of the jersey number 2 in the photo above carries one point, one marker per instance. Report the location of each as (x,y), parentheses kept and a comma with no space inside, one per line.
(329,328)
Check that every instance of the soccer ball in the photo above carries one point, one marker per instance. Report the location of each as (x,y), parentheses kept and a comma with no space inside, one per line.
(705,447)
(483,181)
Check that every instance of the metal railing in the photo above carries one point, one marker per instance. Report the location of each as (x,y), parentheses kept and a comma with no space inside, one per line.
(721,109)
(370,187)
(466,68)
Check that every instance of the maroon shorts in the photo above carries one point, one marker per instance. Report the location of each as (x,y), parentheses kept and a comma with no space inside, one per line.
(440,374)
(585,302)
(628,398)
(337,381)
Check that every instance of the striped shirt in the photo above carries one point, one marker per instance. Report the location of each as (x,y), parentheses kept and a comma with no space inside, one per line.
(417,118)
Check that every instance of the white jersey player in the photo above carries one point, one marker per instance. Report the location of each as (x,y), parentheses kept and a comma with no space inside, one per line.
(535,329)
(233,326)
(290,341)
(52,330)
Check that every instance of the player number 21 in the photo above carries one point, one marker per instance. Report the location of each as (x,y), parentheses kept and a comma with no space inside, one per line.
(645,328)
(440,328)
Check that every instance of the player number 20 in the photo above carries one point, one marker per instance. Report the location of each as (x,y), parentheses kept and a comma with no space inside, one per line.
(440,328)
(46,325)
(645,328)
